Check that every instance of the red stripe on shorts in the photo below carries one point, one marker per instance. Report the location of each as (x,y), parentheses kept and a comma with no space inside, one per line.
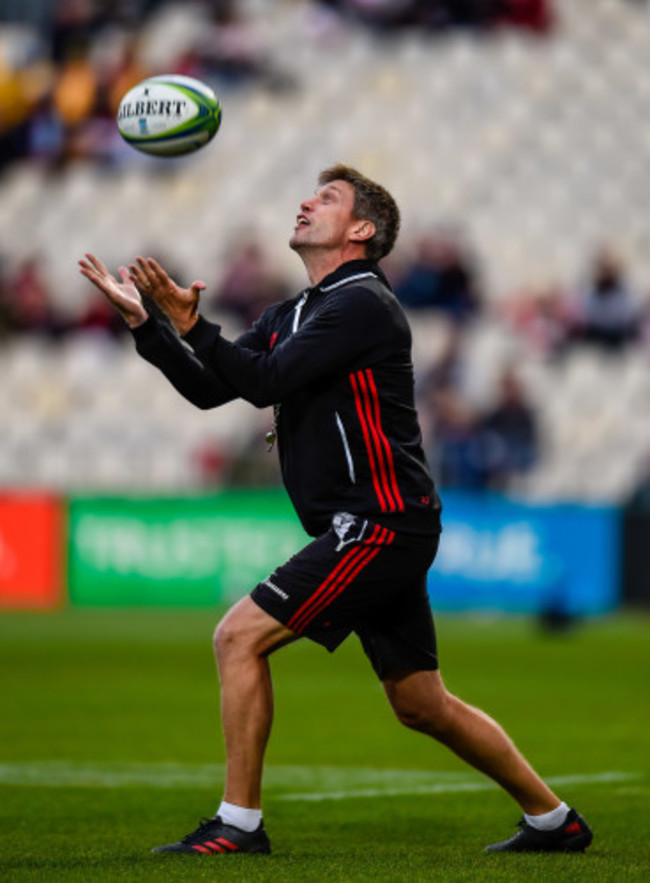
(340,578)
(362,562)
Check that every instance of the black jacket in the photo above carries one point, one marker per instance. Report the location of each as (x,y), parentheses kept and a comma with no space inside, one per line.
(336,364)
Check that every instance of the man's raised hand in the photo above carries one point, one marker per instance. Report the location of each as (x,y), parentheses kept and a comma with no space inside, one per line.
(180,305)
(123,295)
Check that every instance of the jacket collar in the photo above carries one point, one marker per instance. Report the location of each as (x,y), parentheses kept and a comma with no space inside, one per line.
(349,272)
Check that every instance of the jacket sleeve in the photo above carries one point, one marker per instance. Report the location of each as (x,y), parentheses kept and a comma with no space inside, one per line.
(349,325)
(156,342)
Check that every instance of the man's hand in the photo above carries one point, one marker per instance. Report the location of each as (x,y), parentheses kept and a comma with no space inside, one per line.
(123,295)
(180,305)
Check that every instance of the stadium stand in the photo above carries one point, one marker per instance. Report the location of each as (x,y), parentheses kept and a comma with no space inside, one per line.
(536,145)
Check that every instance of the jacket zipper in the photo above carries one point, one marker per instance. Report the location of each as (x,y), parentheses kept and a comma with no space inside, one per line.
(346,447)
(298,310)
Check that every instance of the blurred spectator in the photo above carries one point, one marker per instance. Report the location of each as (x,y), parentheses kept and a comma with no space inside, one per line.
(253,465)
(210,461)
(247,465)
(469,450)
(453,450)
(441,277)
(509,434)
(75,90)
(29,304)
(45,135)
(230,50)
(462,13)
(22,85)
(73,26)
(97,138)
(450,368)
(534,15)
(127,72)
(607,311)
(450,425)
(100,317)
(250,283)
(382,13)
(542,317)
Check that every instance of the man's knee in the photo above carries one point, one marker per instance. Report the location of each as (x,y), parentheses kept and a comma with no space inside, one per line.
(226,637)
(235,632)
(431,718)
(421,702)
(246,630)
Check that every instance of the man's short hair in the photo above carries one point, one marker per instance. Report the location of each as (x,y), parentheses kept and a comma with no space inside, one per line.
(372,202)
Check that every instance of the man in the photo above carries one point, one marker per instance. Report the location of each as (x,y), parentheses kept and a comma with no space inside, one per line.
(335,362)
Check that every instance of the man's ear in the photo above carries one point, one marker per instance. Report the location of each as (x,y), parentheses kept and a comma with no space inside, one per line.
(362,231)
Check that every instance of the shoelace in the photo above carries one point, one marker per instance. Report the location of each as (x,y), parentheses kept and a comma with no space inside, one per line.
(204,824)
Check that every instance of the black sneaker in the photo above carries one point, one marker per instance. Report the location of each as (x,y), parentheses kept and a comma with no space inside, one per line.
(574,835)
(213,836)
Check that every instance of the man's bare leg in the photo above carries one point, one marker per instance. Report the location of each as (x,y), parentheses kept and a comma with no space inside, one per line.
(421,702)
(243,641)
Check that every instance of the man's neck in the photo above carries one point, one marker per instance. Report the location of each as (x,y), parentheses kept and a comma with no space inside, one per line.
(319,263)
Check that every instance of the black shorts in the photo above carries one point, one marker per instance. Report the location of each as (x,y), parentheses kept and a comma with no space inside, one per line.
(364,578)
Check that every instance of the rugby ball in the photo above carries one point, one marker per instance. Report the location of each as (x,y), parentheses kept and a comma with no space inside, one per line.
(169,115)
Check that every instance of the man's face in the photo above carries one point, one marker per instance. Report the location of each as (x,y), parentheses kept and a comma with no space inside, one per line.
(326,219)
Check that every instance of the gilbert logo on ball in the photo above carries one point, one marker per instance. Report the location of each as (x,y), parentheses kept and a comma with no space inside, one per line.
(169,115)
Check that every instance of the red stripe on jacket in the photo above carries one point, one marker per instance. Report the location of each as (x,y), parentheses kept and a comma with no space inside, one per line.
(366,435)
(389,454)
(382,465)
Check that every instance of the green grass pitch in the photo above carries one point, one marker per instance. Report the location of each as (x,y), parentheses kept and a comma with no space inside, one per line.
(110,745)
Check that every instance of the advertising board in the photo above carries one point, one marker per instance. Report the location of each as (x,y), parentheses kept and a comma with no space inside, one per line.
(496,554)
(194,550)
(31,544)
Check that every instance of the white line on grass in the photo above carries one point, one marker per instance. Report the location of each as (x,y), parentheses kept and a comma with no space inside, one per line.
(454,787)
(306,783)
(170,775)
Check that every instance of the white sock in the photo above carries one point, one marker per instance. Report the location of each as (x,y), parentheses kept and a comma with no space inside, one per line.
(548,820)
(240,816)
